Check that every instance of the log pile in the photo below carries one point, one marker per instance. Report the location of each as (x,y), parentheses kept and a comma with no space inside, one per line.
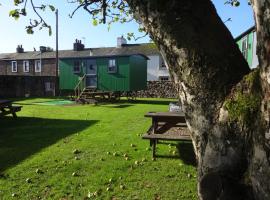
(158,89)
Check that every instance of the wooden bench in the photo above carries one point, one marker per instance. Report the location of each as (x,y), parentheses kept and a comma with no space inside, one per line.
(166,126)
(7,108)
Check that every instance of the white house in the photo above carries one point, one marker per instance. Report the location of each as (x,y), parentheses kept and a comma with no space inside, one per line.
(156,69)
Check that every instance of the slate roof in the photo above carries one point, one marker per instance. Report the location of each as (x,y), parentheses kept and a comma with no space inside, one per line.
(143,49)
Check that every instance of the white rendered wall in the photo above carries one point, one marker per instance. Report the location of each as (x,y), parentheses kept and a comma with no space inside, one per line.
(255,61)
(154,70)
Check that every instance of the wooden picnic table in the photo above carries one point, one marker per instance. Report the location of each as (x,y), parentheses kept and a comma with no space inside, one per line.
(166,126)
(6,108)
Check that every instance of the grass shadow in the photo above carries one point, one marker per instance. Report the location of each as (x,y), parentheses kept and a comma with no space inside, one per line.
(148,101)
(26,136)
(115,105)
(186,153)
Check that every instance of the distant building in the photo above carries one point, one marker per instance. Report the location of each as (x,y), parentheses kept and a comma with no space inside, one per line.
(247,42)
(34,73)
(28,73)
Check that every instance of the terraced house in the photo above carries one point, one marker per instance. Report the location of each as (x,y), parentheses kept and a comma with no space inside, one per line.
(28,73)
(34,73)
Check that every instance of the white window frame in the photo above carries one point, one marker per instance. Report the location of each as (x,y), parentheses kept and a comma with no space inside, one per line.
(112,66)
(36,66)
(26,66)
(14,64)
(77,64)
(49,86)
(244,49)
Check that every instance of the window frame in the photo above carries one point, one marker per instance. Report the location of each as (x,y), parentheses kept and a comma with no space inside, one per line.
(16,65)
(244,46)
(24,66)
(49,86)
(162,65)
(115,67)
(37,61)
(161,78)
(78,65)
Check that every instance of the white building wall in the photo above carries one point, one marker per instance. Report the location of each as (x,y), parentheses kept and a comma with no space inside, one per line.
(154,69)
(255,61)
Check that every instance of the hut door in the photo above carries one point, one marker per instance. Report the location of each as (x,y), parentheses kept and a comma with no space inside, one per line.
(91,73)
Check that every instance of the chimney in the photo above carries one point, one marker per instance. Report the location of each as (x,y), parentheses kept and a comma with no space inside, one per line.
(19,49)
(78,46)
(121,41)
(42,49)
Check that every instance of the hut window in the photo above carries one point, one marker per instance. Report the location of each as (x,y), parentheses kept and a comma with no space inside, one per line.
(76,67)
(14,66)
(112,67)
(37,65)
(26,66)
(163,66)
(163,78)
(245,47)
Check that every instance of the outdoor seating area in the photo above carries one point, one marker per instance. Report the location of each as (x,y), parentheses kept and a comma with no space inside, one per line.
(170,126)
(70,151)
(7,108)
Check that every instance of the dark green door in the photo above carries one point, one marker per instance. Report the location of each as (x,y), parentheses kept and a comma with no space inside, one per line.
(91,73)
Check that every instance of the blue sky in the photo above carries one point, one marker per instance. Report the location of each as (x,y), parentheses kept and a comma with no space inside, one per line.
(80,26)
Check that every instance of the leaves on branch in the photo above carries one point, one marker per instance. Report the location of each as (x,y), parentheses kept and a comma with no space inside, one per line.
(34,23)
(52,8)
(101,12)
(234,3)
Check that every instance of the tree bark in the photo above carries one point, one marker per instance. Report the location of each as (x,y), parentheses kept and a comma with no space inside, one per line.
(211,75)
(260,161)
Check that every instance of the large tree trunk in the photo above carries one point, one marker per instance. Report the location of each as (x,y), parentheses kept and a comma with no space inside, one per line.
(260,162)
(220,98)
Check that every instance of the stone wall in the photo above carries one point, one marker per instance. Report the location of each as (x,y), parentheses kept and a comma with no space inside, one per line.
(159,89)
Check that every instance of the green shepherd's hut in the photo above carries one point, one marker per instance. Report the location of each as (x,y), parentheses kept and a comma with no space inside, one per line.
(102,69)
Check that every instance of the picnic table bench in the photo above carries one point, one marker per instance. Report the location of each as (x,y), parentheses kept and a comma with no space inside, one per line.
(170,126)
(6,108)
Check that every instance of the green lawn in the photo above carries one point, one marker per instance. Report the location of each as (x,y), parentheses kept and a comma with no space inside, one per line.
(37,158)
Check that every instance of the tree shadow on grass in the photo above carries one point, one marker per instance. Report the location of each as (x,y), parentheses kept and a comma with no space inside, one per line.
(115,105)
(148,101)
(185,152)
(26,136)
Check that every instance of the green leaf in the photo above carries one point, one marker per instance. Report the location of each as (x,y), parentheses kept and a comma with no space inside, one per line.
(95,22)
(52,8)
(29,29)
(50,30)
(23,12)
(14,13)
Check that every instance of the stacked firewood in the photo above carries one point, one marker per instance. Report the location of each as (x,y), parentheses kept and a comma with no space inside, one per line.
(158,89)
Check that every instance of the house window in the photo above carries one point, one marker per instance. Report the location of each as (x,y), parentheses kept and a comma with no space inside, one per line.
(38,66)
(26,66)
(112,67)
(163,78)
(76,67)
(163,66)
(49,86)
(14,66)
(245,47)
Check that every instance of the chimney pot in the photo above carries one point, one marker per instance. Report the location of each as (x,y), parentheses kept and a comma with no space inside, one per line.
(19,49)
(121,41)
